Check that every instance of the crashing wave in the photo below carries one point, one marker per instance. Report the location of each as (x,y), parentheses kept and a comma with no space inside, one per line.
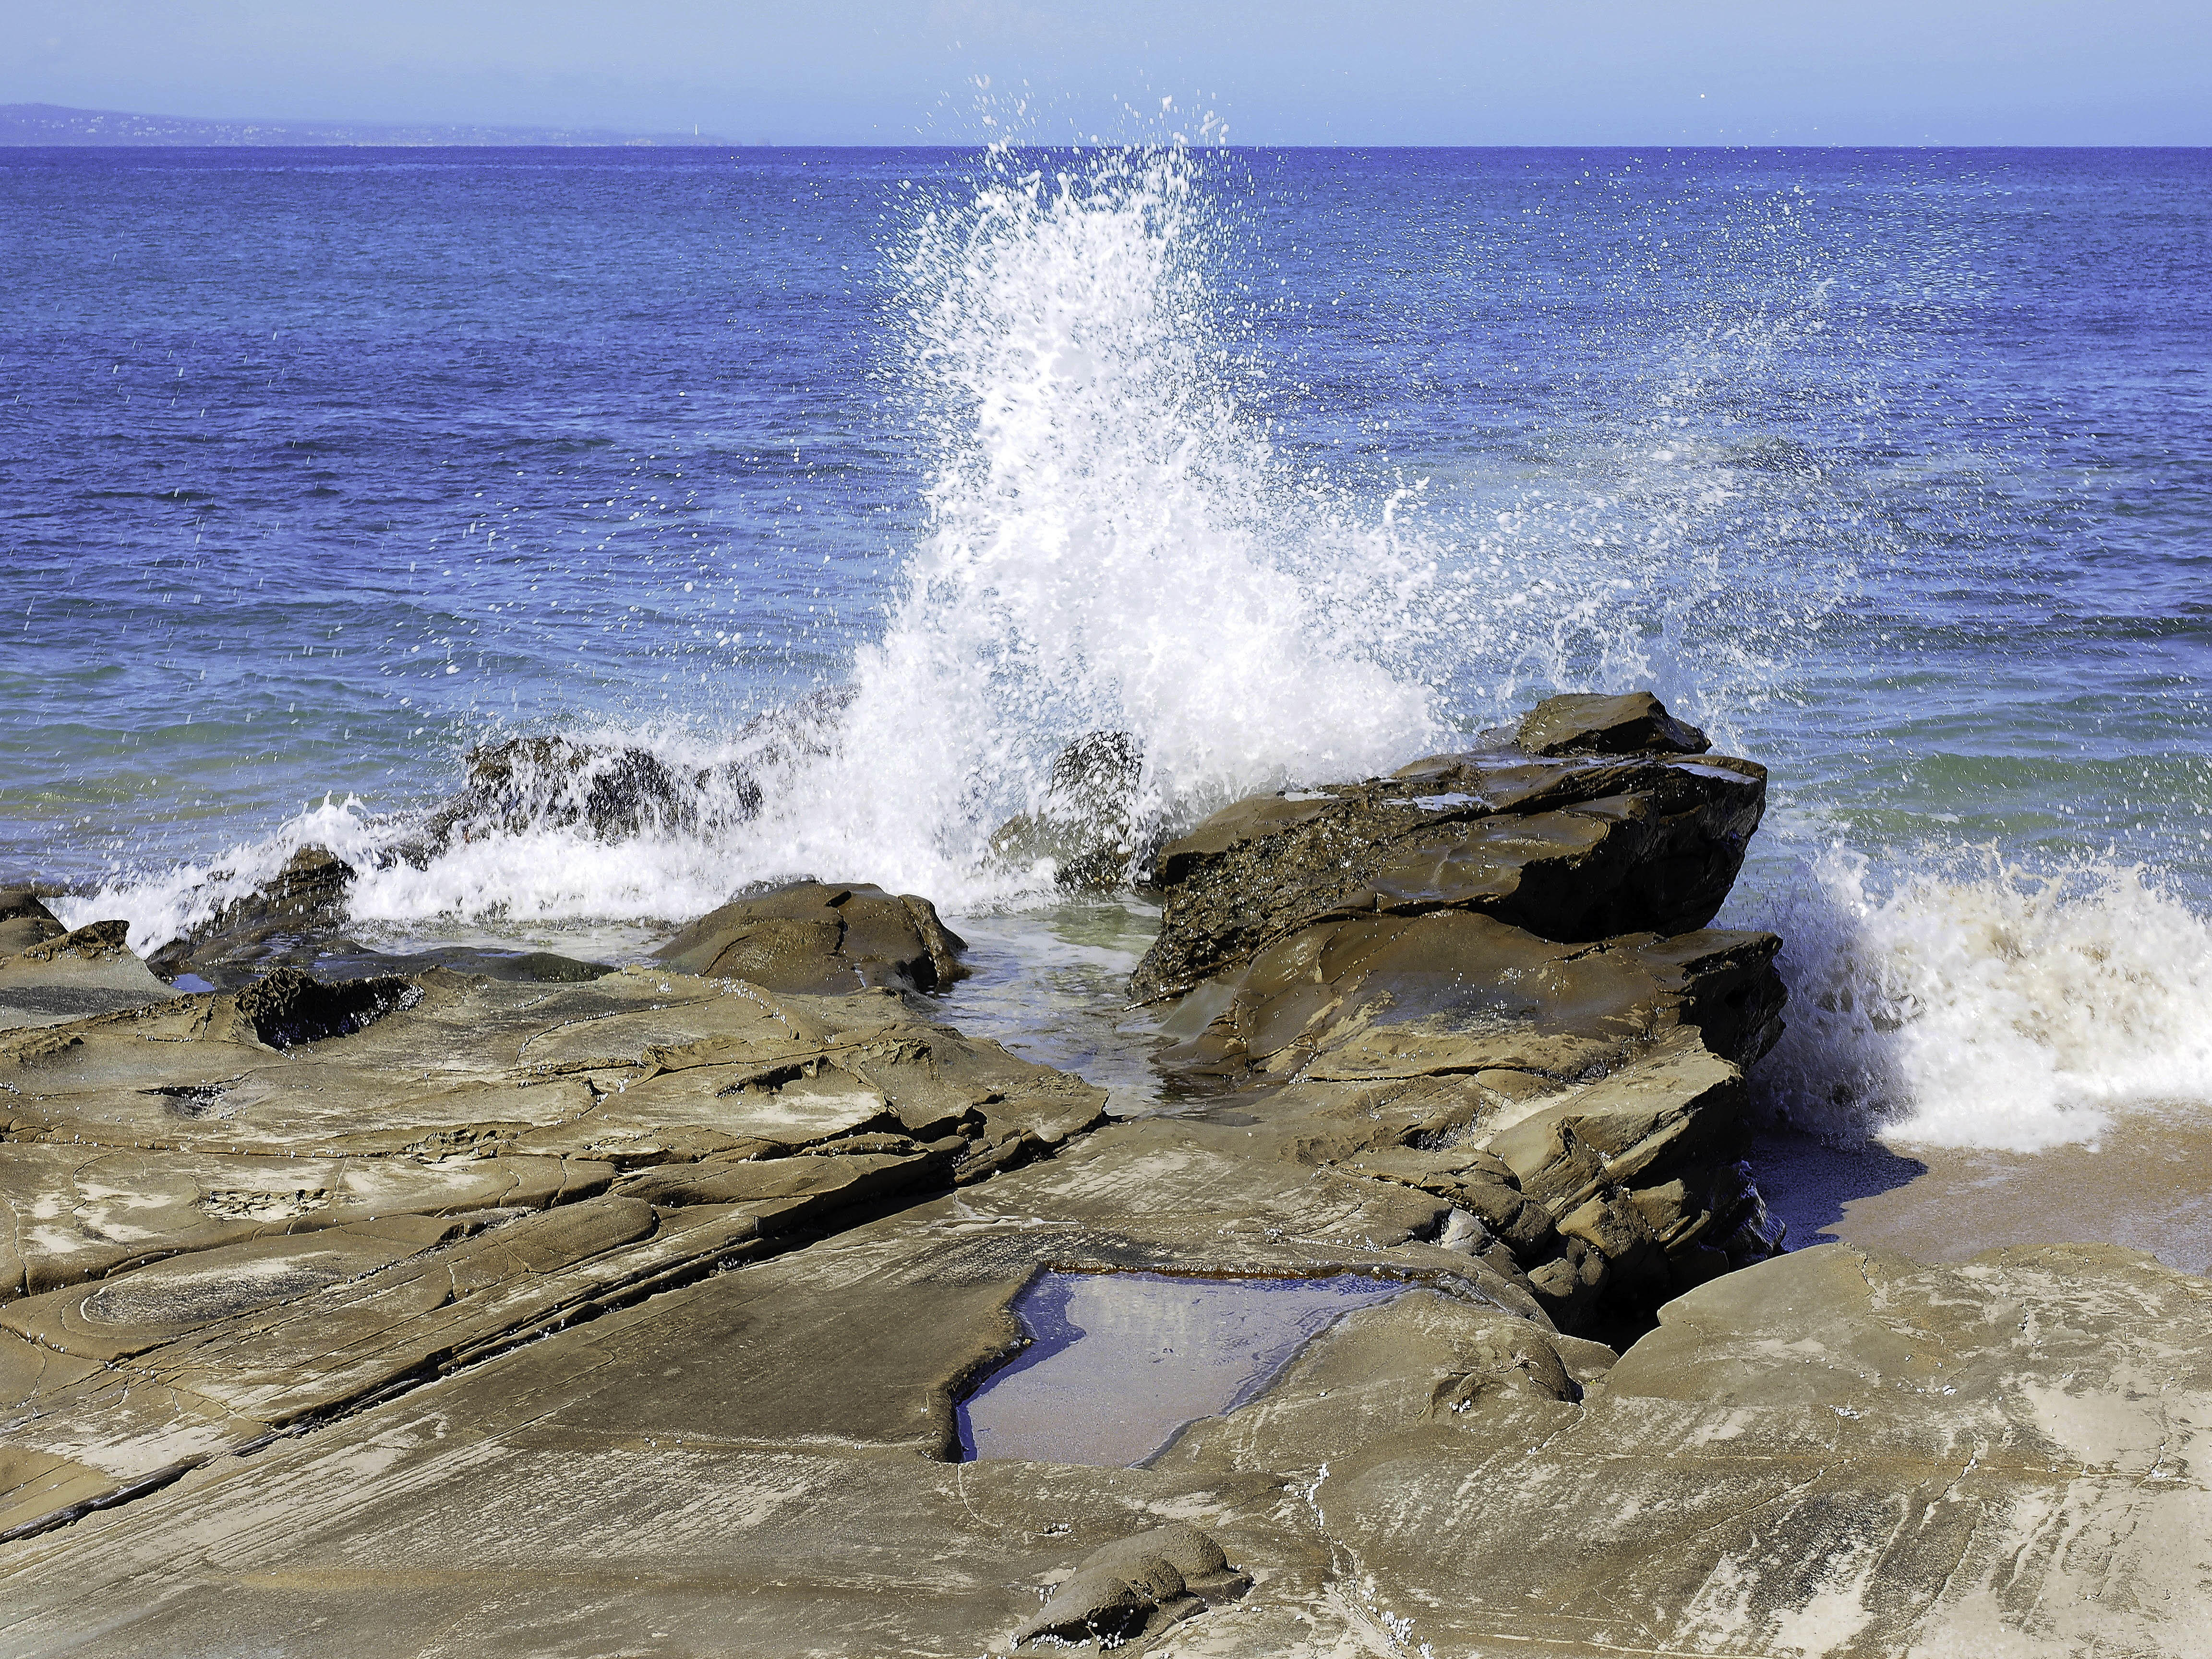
(1979,1005)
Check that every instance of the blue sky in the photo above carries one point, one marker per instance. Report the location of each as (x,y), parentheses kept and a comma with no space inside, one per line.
(1396,71)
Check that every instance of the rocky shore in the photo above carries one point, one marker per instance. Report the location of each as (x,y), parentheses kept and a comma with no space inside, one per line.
(503,1303)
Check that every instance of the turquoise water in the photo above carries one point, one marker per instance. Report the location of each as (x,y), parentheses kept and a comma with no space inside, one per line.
(1889,467)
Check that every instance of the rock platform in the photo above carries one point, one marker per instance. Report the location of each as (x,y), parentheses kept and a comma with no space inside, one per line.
(436,1313)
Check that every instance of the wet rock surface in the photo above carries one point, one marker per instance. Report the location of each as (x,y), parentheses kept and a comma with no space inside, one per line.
(633,1312)
(821,937)
(286,922)
(1571,846)
(1087,825)
(529,784)
(1581,723)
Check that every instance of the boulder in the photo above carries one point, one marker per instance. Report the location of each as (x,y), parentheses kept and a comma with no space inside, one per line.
(823,937)
(1582,724)
(1134,1588)
(1584,1106)
(1573,846)
(1518,941)
(1394,996)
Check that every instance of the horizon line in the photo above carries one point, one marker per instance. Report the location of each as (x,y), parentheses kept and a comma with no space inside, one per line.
(555,135)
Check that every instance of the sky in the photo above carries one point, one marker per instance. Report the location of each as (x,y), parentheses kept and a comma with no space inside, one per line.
(1576,72)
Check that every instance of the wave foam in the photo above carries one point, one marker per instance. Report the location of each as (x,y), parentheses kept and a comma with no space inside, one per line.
(1988,1006)
(1111,544)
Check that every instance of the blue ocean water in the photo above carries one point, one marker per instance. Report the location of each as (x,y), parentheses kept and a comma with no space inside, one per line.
(322,466)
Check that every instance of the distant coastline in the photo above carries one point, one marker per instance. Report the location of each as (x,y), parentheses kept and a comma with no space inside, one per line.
(26,125)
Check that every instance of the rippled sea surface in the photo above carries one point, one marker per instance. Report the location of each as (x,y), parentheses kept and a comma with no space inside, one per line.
(1890,468)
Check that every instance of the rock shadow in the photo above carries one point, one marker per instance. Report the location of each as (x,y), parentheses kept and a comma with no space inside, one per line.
(1808,1182)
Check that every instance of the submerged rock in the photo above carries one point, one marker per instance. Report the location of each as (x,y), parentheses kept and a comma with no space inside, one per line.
(1087,824)
(288,922)
(823,937)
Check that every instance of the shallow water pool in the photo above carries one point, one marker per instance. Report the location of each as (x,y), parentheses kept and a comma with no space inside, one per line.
(1119,1364)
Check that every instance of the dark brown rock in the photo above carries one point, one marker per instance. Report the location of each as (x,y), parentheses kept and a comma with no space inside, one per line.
(288,922)
(289,1007)
(1087,823)
(1606,1074)
(1485,994)
(1573,848)
(1519,938)
(821,937)
(1580,723)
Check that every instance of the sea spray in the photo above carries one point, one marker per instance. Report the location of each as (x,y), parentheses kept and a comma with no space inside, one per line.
(1116,536)
(1112,544)
(1113,541)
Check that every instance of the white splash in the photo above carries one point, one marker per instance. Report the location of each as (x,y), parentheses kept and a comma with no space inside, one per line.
(169,903)
(1112,544)
(1985,1006)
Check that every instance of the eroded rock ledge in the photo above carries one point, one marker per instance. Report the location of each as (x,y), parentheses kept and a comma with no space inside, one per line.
(1498,959)
(438,1312)
(231,1214)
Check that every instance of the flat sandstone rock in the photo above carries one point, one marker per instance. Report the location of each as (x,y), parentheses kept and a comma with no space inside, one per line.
(437,1313)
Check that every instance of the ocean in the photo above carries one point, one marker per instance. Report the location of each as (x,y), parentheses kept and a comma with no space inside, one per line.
(855,484)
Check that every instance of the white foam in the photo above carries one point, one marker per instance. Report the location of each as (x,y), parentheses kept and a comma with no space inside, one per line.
(1978,1005)
(167,903)
(1113,544)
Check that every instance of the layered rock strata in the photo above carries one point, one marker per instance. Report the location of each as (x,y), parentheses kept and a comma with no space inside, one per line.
(1504,952)
(1580,839)
(228,1213)
(435,1313)
(1831,1452)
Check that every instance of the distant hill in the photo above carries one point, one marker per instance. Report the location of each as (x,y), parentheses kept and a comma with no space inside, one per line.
(52,123)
